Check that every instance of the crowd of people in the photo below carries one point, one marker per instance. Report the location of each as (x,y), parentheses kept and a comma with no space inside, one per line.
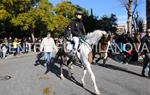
(18,46)
(131,46)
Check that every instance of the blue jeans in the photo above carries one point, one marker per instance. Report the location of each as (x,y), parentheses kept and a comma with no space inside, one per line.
(48,56)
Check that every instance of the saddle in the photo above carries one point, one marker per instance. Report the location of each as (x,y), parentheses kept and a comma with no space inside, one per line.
(70,45)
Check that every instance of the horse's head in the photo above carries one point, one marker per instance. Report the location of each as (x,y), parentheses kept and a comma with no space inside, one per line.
(106,38)
(95,36)
(104,32)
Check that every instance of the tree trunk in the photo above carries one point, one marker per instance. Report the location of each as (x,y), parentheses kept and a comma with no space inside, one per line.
(32,35)
(148,13)
(129,22)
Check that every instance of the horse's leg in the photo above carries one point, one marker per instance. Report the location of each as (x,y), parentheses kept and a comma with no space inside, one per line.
(93,78)
(98,59)
(61,68)
(60,54)
(94,54)
(104,62)
(105,58)
(82,79)
(69,62)
(85,60)
(69,65)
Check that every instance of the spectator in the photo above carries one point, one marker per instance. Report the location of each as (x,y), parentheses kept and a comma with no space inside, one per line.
(19,46)
(146,40)
(10,44)
(29,44)
(4,50)
(1,54)
(15,46)
(26,44)
(49,47)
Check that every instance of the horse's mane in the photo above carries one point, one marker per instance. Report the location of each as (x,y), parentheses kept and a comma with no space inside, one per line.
(137,39)
(105,39)
(94,36)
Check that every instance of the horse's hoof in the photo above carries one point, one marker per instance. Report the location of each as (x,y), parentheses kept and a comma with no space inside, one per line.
(104,65)
(71,67)
(83,85)
(98,93)
(62,77)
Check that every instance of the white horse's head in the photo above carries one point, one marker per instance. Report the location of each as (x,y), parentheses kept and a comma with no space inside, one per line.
(95,36)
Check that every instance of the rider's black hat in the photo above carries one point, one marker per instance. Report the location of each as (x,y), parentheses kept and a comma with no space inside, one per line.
(78,13)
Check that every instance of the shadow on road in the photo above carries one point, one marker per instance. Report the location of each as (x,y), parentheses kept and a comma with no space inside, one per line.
(56,70)
(39,62)
(112,67)
(72,79)
(116,57)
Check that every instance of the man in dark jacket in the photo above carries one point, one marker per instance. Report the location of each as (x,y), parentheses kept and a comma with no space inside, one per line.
(77,29)
(146,42)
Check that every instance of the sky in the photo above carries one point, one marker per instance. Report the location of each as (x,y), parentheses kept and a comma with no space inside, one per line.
(106,7)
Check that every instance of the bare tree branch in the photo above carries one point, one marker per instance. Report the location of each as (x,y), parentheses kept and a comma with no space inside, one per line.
(124,3)
(135,5)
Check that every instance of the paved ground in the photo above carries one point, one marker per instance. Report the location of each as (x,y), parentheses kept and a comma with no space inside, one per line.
(27,79)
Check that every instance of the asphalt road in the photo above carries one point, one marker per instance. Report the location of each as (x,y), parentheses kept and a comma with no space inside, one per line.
(19,76)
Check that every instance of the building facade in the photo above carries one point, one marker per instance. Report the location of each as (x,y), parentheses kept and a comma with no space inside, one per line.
(121,28)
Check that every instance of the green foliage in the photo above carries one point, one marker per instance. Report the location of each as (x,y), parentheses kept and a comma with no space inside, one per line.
(85,12)
(59,23)
(4,15)
(90,22)
(24,20)
(39,16)
(15,15)
(42,13)
(108,23)
(66,9)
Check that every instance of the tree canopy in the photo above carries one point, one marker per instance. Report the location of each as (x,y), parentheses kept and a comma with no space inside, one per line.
(36,17)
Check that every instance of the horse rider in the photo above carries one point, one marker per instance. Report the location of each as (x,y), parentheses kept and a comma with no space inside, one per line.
(77,29)
(75,33)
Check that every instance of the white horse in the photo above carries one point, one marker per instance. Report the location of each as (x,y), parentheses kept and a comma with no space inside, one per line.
(85,55)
